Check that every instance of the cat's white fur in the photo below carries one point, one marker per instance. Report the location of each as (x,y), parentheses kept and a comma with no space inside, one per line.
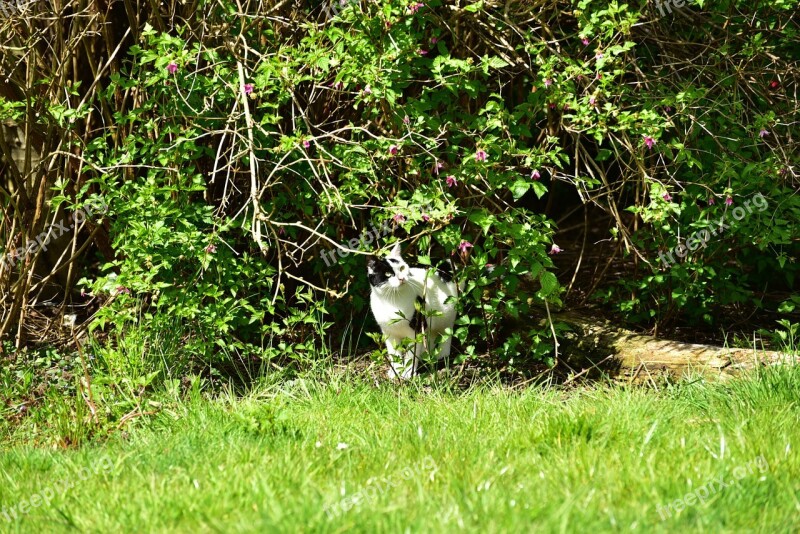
(393,305)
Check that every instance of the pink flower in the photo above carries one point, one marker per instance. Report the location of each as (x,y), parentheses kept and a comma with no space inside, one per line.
(599,55)
(464,246)
(667,197)
(306,143)
(710,201)
(434,40)
(248,88)
(172,68)
(451,181)
(406,120)
(211,248)
(480,155)
(367,90)
(436,168)
(398,218)
(422,52)
(554,249)
(728,201)
(548,82)
(592,101)
(649,141)
(552,105)
(122,289)
(426,217)
(599,76)
(415,7)
(535,175)
(763,133)
(337,85)
(585,41)
(774,84)
(393,150)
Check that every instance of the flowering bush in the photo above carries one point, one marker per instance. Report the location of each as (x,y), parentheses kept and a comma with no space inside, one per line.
(242,170)
(237,150)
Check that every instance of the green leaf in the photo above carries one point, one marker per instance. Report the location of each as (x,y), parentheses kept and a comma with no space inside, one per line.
(519,188)
(603,154)
(474,8)
(494,62)
(482,219)
(549,283)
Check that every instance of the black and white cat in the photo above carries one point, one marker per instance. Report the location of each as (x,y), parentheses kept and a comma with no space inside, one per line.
(396,290)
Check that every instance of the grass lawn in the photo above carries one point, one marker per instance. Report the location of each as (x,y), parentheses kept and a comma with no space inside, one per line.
(344,455)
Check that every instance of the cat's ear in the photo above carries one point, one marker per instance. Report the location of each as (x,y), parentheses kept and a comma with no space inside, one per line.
(395,252)
(371,264)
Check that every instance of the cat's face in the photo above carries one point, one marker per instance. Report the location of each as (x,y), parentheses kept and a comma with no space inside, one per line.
(392,270)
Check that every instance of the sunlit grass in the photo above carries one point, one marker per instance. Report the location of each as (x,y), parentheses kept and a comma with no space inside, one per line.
(346,455)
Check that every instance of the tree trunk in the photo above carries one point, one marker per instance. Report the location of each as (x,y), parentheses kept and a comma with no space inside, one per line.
(597,347)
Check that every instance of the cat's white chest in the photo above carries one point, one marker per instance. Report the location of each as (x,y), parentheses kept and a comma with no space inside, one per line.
(392,312)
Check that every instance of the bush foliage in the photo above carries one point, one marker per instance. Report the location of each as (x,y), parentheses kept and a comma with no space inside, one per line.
(238,146)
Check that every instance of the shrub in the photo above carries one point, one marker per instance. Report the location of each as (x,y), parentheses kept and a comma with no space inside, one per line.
(237,152)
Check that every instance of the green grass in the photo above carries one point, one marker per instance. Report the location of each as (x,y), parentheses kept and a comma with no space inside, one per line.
(590,459)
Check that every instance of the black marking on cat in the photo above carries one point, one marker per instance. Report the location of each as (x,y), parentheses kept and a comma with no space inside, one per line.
(445,271)
(417,321)
(379,271)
